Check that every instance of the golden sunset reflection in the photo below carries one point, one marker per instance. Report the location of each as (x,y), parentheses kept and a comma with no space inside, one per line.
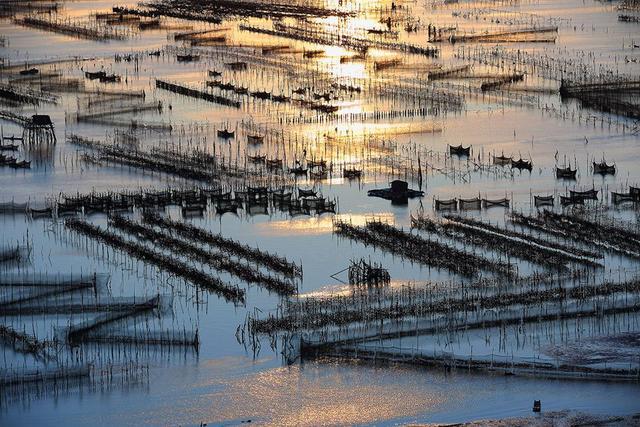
(316,225)
(309,396)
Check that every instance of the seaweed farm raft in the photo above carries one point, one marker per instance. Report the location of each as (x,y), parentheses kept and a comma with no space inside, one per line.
(319,212)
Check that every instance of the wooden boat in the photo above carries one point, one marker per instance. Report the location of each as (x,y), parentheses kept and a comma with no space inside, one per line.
(94,75)
(619,198)
(603,168)
(46,212)
(7,161)
(23,164)
(187,58)
(257,159)
(328,207)
(226,134)
(351,173)
(501,160)
(317,163)
(12,207)
(320,174)
(282,198)
(306,193)
(522,164)
(255,139)
(111,78)
(274,164)
(68,210)
(566,173)
(29,72)
(543,201)
(298,170)
(227,208)
(459,150)
(189,211)
(585,195)
(261,95)
(570,201)
(237,66)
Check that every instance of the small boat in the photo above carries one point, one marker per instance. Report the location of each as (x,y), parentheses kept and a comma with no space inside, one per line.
(585,195)
(9,147)
(255,139)
(257,159)
(29,72)
(187,58)
(635,192)
(566,173)
(258,209)
(111,78)
(328,207)
(94,75)
(237,66)
(214,73)
(398,193)
(319,174)
(570,201)
(282,198)
(279,98)
(225,134)
(298,170)
(150,24)
(351,173)
(23,164)
(619,198)
(154,53)
(227,208)
(459,150)
(306,193)
(274,164)
(313,53)
(317,163)
(299,91)
(193,210)
(7,161)
(41,213)
(501,160)
(543,201)
(603,168)
(241,90)
(68,210)
(257,191)
(261,94)
(522,164)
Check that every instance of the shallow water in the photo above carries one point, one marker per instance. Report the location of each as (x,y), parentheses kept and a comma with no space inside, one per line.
(223,383)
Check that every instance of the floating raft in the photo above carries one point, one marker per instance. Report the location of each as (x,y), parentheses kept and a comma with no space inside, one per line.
(398,192)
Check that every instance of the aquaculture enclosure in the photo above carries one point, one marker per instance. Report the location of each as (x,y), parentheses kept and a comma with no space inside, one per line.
(318,212)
